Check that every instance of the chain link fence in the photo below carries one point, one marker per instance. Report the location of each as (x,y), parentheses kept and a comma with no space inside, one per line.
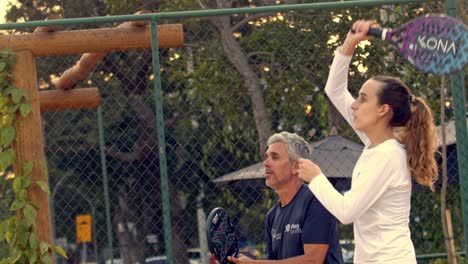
(231,72)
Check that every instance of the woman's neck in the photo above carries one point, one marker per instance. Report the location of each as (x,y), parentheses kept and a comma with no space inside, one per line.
(378,137)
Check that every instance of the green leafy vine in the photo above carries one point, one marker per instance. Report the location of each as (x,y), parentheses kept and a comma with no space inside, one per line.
(19,230)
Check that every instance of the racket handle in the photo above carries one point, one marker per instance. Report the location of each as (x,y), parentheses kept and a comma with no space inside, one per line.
(376,32)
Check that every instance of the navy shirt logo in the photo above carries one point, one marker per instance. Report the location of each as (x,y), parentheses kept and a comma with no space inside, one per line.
(293,229)
(275,235)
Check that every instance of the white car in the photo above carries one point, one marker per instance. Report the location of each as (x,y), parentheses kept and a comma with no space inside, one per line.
(193,255)
(156,260)
(347,250)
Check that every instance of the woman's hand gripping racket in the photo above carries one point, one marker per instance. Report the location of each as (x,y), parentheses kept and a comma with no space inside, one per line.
(222,236)
(435,44)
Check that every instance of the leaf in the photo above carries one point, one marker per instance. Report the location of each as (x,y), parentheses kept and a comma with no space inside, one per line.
(33,204)
(27,168)
(6,261)
(17,95)
(9,91)
(15,258)
(25,183)
(32,257)
(8,119)
(44,247)
(17,183)
(2,66)
(22,227)
(25,109)
(44,186)
(3,229)
(12,223)
(22,195)
(29,214)
(60,251)
(17,205)
(7,135)
(9,235)
(6,52)
(3,102)
(21,183)
(13,108)
(45,258)
(33,241)
(23,239)
(7,158)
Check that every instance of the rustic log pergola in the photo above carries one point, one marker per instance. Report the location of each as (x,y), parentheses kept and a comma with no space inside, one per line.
(94,44)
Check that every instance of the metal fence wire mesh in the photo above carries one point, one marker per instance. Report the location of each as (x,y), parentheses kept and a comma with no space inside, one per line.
(235,75)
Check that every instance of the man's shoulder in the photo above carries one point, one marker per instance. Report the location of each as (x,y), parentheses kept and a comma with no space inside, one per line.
(308,201)
(304,194)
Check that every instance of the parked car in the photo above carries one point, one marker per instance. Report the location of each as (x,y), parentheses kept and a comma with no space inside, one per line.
(156,260)
(115,261)
(347,249)
(193,255)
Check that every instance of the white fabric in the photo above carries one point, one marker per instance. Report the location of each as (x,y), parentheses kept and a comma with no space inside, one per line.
(379,200)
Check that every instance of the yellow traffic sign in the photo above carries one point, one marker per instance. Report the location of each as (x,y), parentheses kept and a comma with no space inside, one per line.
(83,228)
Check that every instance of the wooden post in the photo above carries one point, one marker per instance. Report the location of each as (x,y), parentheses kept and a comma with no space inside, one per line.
(47,42)
(29,142)
(93,40)
(56,100)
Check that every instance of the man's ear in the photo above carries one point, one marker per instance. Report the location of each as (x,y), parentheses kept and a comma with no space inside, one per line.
(295,167)
(294,164)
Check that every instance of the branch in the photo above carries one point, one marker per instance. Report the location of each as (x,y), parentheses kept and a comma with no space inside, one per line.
(201,4)
(461,6)
(249,18)
(262,53)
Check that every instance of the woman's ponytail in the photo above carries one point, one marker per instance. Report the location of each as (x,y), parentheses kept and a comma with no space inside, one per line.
(420,139)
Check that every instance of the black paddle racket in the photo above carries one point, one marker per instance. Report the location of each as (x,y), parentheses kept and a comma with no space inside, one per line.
(435,44)
(222,236)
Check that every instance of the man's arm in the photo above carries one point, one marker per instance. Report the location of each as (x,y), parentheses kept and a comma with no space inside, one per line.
(316,252)
(313,253)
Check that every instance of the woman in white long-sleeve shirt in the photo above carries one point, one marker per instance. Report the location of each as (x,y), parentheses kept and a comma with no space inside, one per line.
(398,131)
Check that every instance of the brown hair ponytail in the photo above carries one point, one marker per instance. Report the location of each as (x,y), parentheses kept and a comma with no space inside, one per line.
(419,137)
(414,127)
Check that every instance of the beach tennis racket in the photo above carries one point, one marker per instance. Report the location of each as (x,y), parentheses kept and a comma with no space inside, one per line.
(222,236)
(436,44)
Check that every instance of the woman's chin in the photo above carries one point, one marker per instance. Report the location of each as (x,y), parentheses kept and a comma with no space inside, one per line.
(356,127)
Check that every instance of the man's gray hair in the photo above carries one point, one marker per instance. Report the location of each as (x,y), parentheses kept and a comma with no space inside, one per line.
(297,146)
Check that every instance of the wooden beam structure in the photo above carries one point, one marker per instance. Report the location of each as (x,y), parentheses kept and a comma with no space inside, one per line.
(29,141)
(93,40)
(56,100)
(94,44)
(85,65)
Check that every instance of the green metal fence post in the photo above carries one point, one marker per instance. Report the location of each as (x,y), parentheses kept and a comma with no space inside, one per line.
(105,182)
(161,143)
(458,94)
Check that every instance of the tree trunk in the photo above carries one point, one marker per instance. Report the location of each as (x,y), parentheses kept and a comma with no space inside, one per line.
(238,58)
(127,233)
(335,119)
(145,152)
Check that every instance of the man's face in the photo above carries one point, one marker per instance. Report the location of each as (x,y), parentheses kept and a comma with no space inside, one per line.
(278,167)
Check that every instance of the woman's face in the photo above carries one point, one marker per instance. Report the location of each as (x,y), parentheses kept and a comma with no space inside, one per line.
(367,111)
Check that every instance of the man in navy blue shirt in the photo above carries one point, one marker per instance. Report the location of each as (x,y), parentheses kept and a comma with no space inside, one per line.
(298,228)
